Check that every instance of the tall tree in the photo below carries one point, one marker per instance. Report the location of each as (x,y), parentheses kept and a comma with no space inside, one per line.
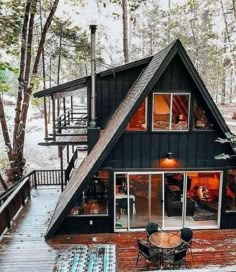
(125,31)
(27,76)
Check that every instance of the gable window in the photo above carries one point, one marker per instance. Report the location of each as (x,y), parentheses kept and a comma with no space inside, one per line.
(170,112)
(201,122)
(138,121)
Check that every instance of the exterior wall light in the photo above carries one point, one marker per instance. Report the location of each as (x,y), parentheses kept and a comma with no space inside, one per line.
(169,155)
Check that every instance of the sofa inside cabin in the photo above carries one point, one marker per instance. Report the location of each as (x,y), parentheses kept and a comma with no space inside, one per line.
(199,197)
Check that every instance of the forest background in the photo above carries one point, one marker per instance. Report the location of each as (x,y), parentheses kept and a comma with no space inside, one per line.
(44,43)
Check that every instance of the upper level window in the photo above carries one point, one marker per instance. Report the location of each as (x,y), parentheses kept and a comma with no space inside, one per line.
(139,119)
(201,122)
(170,111)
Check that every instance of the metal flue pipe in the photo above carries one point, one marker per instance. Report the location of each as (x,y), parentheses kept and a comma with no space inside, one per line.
(93,74)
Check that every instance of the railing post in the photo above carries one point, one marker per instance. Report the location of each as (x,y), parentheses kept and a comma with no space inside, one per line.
(61,160)
(71,105)
(68,117)
(53,118)
(28,188)
(8,217)
(35,180)
(23,197)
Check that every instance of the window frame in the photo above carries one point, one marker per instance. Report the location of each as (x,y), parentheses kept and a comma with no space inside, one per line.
(171,107)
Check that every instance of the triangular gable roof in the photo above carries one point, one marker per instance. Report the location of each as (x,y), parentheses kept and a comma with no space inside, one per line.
(119,121)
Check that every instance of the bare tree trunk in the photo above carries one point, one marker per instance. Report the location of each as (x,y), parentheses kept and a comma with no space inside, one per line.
(58,74)
(224,75)
(234,8)
(4,185)
(169,19)
(22,71)
(19,160)
(125,30)
(44,79)
(225,21)
(5,132)
(231,86)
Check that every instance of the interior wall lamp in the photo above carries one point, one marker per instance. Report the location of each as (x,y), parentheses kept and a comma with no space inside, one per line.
(169,155)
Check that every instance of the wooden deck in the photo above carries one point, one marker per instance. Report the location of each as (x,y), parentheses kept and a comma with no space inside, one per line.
(23,248)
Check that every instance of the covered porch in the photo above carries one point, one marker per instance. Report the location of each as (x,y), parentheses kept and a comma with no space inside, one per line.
(23,247)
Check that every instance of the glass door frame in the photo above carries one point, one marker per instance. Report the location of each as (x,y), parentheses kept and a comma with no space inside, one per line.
(217,226)
(128,173)
(183,198)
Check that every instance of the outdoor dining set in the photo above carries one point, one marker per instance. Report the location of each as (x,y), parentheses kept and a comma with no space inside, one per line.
(166,249)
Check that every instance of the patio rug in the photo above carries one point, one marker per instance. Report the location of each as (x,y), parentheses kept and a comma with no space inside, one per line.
(83,258)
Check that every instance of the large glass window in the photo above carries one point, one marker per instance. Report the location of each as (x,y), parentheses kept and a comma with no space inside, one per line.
(139,119)
(94,199)
(230,201)
(170,111)
(204,189)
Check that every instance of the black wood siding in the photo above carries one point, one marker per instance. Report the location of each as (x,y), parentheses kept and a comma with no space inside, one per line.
(111,90)
(145,149)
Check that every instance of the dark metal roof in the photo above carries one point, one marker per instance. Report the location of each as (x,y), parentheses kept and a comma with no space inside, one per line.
(119,121)
(82,82)
(68,86)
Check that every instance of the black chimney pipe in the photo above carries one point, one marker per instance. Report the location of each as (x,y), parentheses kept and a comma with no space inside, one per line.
(93,74)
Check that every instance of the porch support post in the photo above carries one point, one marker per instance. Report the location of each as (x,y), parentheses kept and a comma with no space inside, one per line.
(53,118)
(71,106)
(64,109)
(61,162)
(68,153)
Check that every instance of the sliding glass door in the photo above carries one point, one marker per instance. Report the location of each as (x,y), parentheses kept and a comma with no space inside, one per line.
(174,199)
(171,199)
(203,195)
(143,200)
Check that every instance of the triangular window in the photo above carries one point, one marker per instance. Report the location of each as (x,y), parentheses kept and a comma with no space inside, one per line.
(138,121)
(201,120)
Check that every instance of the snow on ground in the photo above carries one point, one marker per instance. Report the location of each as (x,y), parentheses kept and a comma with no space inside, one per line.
(37,156)
(227,111)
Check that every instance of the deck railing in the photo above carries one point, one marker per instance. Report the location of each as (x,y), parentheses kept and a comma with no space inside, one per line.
(14,198)
(13,203)
(46,177)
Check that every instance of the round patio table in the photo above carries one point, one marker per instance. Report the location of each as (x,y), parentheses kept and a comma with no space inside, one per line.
(165,240)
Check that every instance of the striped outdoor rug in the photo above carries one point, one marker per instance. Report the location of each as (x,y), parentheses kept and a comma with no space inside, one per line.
(86,258)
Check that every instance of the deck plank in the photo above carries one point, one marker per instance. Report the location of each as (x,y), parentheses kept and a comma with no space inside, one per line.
(24,248)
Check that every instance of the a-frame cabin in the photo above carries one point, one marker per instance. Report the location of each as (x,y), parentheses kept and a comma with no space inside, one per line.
(151,154)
